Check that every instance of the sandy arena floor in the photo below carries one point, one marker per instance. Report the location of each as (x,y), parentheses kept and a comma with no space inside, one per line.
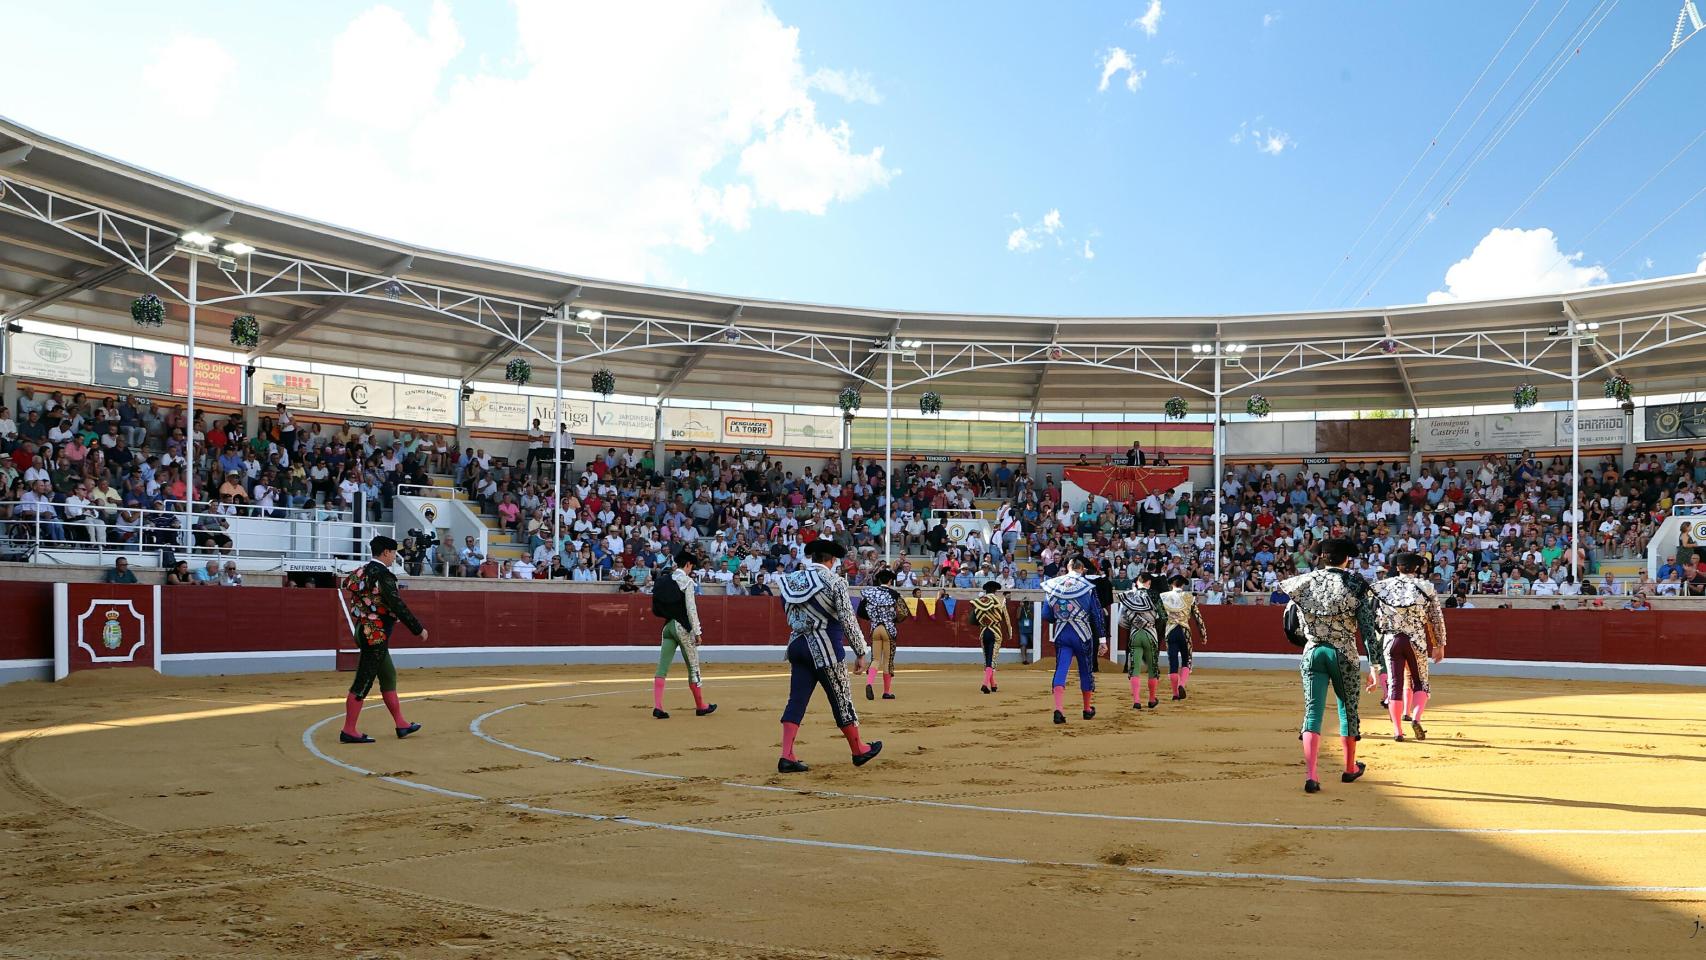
(543,813)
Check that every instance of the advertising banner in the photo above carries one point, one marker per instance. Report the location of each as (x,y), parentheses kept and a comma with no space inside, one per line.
(1676,421)
(495,411)
(1437,434)
(129,369)
(1116,438)
(1519,431)
(756,428)
(1600,428)
(934,435)
(813,432)
(298,391)
(684,425)
(51,358)
(214,380)
(425,404)
(632,420)
(577,413)
(366,398)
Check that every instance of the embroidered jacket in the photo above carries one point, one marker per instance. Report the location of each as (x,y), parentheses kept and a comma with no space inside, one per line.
(817,606)
(877,605)
(989,612)
(1408,605)
(1137,608)
(1336,607)
(375,603)
(1182,610)
(1069,602)
(684,580)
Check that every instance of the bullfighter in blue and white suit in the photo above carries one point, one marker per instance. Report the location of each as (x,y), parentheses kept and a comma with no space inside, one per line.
(1069,603)
(820,617)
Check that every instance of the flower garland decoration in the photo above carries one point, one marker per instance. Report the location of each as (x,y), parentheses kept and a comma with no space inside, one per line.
(1176,408)
(246,331)
(1525,396)
(1258,406)
(1618,387)
(148,311)
(518,371)
(604,383)
(850,400)
(931,402)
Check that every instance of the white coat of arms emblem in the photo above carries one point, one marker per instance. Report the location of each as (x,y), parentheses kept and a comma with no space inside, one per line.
(111,633)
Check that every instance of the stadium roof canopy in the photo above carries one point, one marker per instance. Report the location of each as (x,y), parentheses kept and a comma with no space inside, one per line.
(81,235)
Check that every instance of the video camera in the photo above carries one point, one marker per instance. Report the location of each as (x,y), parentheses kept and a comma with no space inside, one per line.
(414,549)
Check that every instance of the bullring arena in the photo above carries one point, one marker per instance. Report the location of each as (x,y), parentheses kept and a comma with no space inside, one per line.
(278,398)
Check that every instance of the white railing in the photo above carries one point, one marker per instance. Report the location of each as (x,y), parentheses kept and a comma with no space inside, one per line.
(44,533)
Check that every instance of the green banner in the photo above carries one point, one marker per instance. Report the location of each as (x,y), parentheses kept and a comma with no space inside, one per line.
(942,436)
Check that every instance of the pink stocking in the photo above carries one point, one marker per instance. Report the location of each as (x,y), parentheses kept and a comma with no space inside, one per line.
(395,706)
(1154,683)
(1396,709)
(1059,697)
(1312,754)
(871,674)
(1173,681)
(1184,676)
(1136,689)
(352,713)
(789,732)
(989,676)
(698,695)
(1421,704)
(657,693)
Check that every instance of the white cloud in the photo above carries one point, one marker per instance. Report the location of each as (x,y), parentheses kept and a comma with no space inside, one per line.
(190,76)
(1171,60)
(384,73)
(609,135)
(1269,19)
(1513,263)
(1115,60)
(1025,239)
(1702,267)
(853,86)
(1150,22)
(1088,254)
(1271,141)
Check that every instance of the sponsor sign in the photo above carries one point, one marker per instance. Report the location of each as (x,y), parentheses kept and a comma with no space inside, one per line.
(214,380)
(685,425)
(369,398)
(1451,433)
(425,404)
(812,432)
(744,427)
(495,411)
(1676,421)
(632,420)
(1516,431)
(298,391)
(577,414)
(51,358)
(1599,428)
(129,369)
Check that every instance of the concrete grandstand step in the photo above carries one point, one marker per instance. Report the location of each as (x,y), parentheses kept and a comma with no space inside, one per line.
(508,551)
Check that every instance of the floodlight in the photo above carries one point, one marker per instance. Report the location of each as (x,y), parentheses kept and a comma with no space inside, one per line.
(589,316)
(238,248)
(198,238)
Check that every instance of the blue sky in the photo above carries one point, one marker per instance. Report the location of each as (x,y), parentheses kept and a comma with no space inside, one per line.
(923,156)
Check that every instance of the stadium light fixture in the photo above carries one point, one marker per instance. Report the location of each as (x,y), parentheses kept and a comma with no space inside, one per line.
(197,238)
(589,316)
(238,248)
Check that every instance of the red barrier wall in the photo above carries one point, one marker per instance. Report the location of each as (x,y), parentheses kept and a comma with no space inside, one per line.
(26,620)
(273,618)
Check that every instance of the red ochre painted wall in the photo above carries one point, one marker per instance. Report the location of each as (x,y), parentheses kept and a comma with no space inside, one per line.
(202,620)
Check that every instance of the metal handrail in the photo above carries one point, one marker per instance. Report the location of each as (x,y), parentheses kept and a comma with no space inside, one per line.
(28,530)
